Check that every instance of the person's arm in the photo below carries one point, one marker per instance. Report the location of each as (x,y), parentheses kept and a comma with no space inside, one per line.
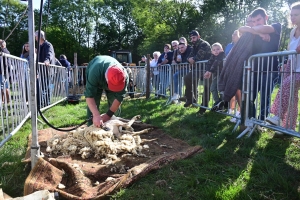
(190,57)
(168,57)
(203,53)
(97,119)
(159,61)
(248,29)
(49,54)
(263,29)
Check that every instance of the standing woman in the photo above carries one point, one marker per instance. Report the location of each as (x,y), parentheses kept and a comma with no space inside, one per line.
(25,55)
(154,70)
(281,104)
(25,51)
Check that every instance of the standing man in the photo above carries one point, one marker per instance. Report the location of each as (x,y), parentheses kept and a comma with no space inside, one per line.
(201,51)
(6,69)
(266,41)
(104,73)
(46,56)
(183,52)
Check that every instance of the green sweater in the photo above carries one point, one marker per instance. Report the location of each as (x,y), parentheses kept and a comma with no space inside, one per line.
(95,78)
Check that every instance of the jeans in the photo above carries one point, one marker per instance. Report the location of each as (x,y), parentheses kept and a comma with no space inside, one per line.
(191,87)
(164,81)
(214,89)
(177,80)
(265,86)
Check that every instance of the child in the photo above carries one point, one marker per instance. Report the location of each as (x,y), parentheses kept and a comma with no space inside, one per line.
(214,67)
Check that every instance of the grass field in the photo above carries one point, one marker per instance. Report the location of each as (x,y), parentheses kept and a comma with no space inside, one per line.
(259,167)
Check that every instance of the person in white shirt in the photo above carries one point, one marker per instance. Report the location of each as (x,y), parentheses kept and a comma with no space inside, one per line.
(154,69)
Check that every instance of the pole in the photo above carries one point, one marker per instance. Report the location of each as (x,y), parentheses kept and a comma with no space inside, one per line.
(75,75)
(35,147)
(148,77)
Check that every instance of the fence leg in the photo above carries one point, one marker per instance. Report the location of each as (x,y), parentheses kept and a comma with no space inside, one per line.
(236,125)
(244,132)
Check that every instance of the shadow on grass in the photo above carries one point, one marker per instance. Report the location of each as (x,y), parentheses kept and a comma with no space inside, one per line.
(272,172)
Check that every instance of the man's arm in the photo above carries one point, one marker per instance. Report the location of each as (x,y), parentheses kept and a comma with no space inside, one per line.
(97,119)
(203,53)
(49,54)
(260,29)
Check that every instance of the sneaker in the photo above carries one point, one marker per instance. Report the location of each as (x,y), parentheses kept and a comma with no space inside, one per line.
(233,119)
(273,120)
(218,106)
(175,97)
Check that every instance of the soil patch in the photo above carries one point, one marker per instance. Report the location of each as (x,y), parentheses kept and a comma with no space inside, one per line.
(92,180)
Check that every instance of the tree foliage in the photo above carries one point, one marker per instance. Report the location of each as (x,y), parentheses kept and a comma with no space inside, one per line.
(92,27)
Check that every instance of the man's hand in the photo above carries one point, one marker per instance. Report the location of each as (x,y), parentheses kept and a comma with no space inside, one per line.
(47,63)
(265,37)
(191,60)
(97,121)
(298,49)
(105,117)
(207,75)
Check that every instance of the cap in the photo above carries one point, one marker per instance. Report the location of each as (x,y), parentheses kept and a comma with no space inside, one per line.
(194,33)
(42,34)
(115,78)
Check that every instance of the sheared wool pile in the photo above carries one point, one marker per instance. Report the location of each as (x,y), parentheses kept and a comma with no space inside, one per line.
(97,142)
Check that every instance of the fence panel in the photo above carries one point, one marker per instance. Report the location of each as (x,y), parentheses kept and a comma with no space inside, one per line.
(15,92)
(274,88)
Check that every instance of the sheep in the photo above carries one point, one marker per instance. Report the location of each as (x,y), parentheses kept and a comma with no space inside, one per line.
(103,144)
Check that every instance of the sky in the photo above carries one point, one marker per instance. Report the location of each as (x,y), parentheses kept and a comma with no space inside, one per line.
(36,4)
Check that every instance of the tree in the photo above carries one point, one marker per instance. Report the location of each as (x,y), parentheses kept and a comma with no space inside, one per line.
(13,20)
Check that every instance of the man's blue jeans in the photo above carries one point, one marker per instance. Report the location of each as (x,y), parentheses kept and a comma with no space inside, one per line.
(177,77)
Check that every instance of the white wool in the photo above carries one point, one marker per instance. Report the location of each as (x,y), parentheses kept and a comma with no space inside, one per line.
(104,145)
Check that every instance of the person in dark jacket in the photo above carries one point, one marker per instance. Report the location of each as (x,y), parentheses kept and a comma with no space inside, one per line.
(184,51)
(201,51)
(64,62)
(47,56)
(214,67)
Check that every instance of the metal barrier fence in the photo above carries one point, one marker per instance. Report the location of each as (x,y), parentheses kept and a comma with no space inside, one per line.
(272,88)
(259,79)
(15,92)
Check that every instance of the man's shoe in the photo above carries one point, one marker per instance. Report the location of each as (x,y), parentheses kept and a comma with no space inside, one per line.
(275,120)
(233,119)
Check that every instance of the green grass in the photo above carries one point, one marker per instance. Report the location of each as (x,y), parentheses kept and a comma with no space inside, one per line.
(259,167)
